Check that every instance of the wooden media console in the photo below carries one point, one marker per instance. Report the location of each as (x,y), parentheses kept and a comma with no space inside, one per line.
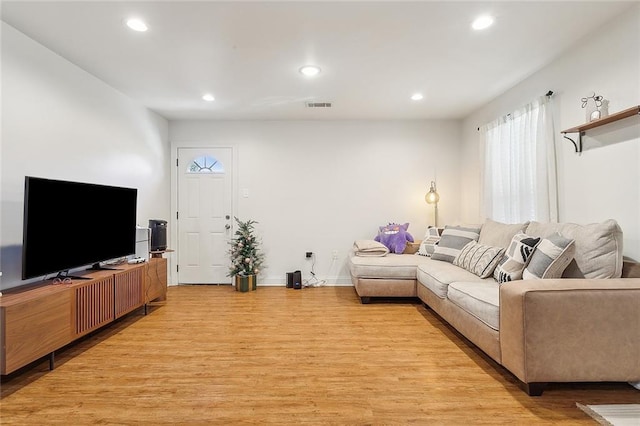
(38,319)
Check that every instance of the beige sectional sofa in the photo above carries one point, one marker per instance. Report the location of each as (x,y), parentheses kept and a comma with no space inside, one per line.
(583,327)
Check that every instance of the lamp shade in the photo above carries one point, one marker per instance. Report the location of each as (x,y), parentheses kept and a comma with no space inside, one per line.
(432,196)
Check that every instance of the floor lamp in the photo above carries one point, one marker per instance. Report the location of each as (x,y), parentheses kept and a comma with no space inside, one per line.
(432,197)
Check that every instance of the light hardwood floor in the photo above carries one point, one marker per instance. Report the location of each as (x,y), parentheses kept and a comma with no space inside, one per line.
(211,355)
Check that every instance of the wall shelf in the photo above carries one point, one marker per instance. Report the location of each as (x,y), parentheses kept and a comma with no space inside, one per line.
(581,129)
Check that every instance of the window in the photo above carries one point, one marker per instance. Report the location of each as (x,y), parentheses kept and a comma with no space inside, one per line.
(205,164)
(519,181)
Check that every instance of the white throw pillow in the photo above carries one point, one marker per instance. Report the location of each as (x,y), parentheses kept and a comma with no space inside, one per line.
(515,258)
(453,240)
(550,258)
(428,244)
(479,259)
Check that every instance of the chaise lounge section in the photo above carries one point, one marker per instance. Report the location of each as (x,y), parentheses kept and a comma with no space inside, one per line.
(393,275)
(582,327)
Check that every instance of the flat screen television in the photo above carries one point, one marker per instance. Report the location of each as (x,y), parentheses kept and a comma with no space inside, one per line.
(68,225)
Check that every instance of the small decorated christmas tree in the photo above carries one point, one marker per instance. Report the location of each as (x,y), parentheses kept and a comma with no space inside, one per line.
(246,258)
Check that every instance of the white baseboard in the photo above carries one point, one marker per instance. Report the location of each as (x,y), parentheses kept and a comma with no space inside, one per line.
(279,282)
(330,282)
(263,284)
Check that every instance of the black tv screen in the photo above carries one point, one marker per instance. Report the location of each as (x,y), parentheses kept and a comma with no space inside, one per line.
(72,224)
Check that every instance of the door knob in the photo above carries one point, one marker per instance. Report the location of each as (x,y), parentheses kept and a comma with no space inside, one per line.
(227,217)
(227,227)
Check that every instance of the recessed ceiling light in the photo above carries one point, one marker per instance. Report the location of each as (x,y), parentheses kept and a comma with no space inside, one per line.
(208,97)
(417,96)
(310,70)
(482,22)
(137,25)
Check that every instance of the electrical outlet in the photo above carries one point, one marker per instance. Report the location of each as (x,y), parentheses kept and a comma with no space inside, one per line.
(309,254)
(334,254)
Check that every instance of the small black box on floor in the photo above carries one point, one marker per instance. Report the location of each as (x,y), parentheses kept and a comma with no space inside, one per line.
(289,279)
(297,280)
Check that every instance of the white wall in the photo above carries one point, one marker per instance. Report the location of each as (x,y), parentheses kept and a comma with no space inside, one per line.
(60,122)
(603,182)
(319,185)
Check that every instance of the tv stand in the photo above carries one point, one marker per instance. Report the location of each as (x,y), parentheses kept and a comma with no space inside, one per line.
(37,319)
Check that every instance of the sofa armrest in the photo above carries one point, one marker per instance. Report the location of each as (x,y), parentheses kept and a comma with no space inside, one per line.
(571,330)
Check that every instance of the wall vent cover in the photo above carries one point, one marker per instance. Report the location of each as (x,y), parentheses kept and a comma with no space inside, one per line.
(318,104)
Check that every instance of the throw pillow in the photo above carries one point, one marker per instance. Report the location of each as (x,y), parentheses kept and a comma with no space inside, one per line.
(550,258)
(515,258)
(428,244)
(479,259)
(453,239)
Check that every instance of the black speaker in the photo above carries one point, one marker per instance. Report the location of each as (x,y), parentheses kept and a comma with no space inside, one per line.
(158,234)
(289,279)
(297,280)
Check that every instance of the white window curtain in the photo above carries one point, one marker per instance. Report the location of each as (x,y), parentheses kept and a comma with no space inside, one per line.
(519,179)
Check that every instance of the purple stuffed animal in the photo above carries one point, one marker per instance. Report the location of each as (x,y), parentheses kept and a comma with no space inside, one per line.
(394,237)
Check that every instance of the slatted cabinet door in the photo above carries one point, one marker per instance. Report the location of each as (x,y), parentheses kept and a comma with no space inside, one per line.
(94,302)
(128,291)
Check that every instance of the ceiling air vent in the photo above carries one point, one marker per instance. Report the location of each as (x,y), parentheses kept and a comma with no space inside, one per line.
(318,104)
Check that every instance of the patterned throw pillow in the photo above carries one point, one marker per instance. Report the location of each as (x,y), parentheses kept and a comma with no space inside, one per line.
(515,258)
(428,244)
(479,258)
(550,258)
(453,239)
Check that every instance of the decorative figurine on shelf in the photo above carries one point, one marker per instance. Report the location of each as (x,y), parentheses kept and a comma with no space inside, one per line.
(246,257)
(596,107)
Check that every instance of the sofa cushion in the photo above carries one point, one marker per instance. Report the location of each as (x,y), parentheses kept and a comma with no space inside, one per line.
(598,247)
(453,239)
(480,299)
(437,276)
(428,244)
(394,266)
(500,234)
(550,258)
(479,258)
(515,258)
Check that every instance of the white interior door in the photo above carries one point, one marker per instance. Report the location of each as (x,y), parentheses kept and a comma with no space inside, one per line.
(205,217)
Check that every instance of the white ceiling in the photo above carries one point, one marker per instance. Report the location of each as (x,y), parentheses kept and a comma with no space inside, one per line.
(373,55)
